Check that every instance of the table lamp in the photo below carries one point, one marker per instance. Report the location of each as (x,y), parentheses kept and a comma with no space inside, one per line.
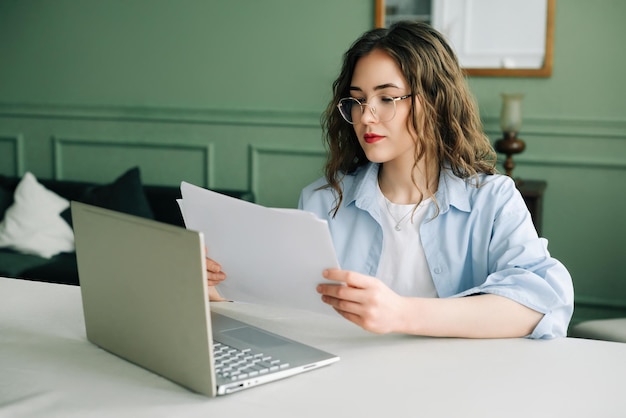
(510,123)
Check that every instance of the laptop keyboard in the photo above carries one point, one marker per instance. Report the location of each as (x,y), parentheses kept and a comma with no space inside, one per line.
(235,364)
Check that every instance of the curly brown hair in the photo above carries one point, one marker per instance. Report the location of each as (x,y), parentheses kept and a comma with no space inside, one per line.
(449,129)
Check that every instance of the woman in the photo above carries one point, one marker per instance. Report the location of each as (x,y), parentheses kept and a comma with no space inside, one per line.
(430,239)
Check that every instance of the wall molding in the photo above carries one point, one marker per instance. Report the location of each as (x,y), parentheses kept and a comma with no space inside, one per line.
(60,141)
(163,115)
(571,128)
(605,164)
(595,128)
(17,141)
(560,134)
(256,151)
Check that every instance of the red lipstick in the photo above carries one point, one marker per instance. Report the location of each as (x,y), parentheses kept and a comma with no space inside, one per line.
(370,137)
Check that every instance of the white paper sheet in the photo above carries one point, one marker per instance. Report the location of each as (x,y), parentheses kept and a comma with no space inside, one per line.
(270,256)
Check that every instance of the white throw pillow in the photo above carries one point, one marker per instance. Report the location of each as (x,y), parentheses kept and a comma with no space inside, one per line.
(32,225)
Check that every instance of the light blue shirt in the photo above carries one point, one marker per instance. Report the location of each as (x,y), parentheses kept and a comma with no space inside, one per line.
(481,241)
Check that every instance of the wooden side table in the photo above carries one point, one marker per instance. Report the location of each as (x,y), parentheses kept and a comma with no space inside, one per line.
(532,192)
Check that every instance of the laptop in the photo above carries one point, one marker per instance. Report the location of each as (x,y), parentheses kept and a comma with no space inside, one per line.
(145,299)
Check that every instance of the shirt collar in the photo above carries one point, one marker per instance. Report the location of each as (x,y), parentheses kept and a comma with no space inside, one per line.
(452,190)
(362,191)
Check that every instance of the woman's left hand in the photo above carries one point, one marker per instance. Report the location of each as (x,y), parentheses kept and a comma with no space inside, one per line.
(364,300)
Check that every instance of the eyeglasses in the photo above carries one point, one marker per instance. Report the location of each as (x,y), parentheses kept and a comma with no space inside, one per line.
(382,106)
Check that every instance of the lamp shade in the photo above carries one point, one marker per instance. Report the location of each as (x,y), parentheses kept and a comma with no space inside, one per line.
(511,114)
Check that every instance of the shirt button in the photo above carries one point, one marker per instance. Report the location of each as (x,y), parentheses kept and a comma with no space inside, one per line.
(437,270)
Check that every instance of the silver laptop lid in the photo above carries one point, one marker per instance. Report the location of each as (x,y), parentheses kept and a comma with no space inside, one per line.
(144,293)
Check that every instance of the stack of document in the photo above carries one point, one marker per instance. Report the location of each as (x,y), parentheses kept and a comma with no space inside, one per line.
(270,256)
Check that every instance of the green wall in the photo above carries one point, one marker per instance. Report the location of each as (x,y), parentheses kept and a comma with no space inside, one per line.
(228,93)
(194,54)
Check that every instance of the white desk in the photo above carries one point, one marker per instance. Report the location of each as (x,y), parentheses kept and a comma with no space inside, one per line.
(47,368)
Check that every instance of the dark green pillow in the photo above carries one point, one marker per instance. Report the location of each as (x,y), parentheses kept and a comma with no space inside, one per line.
(125,194)
(6,200)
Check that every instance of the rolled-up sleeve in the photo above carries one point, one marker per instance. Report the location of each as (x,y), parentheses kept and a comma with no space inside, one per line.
(520,267)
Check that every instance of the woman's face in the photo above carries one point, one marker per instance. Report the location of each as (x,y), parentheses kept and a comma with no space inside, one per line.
(390,141)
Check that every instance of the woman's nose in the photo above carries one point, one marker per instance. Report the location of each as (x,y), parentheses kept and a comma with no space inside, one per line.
(369,115)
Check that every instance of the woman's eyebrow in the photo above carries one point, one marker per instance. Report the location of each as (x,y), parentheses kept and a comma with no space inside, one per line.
(380,87)
(386,86)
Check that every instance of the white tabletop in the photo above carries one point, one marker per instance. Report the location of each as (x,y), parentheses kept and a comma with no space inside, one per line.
(48,368)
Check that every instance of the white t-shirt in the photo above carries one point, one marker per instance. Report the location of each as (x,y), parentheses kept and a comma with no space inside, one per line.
(403,265)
